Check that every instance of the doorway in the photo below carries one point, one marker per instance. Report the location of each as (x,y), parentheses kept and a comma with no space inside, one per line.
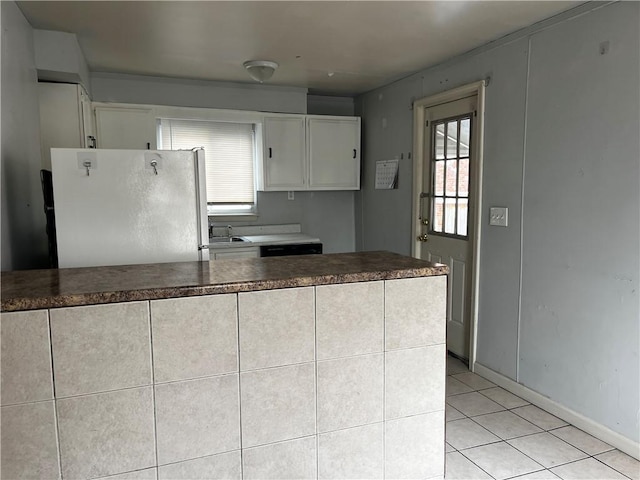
(446,205)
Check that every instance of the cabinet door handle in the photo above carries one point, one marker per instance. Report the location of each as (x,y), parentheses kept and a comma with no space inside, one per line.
(354,153)
(269,152)
(149,146)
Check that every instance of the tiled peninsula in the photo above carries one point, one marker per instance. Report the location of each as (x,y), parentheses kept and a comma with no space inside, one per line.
(319,366)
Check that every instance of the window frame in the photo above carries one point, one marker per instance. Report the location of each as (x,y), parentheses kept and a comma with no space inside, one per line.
(226,211)
(444,196)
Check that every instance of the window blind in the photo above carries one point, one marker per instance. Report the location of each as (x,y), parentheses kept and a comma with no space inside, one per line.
(228,152)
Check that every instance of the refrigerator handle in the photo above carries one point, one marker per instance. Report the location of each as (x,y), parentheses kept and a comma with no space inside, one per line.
(201,207)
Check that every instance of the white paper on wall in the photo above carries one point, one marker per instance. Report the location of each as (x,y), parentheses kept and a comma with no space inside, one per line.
(386,174)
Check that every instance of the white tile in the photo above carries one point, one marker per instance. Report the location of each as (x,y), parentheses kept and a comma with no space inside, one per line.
(414,381)
(539,475)
(414,446)
(349,319)
(453,414)
(107,433)
(352,453)
(100,348)
(501,460)
(587,469)
(29,446)
(194,337)
(415,312)
(539,417)
(277,327)
(455,366)
(197,418)
(506,399)
(278,404)
(466,433)
(456,387)
(581,440)
(350,392)
(294,459)
(472,404)
(25,381)
(547,450)
(476,382)
(506,425)
(460,467)
(146,474)
(227,466)
(622,463)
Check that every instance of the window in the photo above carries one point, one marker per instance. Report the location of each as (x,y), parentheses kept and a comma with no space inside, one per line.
(229,152)
(450,176)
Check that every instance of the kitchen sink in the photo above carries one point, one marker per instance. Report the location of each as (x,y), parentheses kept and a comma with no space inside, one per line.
(227,239)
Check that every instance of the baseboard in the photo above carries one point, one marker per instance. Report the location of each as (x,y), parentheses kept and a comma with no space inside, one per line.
(576,419)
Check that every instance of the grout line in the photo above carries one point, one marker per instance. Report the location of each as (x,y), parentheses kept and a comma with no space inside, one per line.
(53,391)
(315,362)
(239,383)
(384,383)
(611,467)
(188,460)
(153,387)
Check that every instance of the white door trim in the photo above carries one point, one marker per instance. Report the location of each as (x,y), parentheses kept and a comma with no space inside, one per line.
(419,107)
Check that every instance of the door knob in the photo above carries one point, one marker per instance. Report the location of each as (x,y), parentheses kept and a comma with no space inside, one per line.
(423,238)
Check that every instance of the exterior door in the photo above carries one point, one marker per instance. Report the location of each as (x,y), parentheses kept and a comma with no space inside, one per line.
(446,208)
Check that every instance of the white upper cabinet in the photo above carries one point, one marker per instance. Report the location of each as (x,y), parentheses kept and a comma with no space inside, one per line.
(310,152)
(334,153)
(65,118)
(284,153)
(128,128)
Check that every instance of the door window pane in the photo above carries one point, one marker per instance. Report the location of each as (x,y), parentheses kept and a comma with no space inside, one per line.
(452,179)
(439,178)
(439,141)
(463,207)
(438,214)
(450,215)
(465,131)
(452,139)
(463,177)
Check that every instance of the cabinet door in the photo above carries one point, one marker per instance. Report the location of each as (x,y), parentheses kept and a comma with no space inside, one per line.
(284,154)
(60,121)
(334,153)
(128,128)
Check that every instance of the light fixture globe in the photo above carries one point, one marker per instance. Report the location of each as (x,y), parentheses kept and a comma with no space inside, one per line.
(260,70)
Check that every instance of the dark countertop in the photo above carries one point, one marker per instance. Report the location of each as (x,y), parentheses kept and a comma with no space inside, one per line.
(37,289)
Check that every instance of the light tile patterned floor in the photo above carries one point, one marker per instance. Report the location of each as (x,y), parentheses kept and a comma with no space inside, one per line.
(493,434)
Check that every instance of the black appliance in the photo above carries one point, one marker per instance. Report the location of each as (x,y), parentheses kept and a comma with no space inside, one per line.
(290,249)
(46,178)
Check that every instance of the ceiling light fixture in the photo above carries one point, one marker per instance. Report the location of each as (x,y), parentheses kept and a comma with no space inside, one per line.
(260,70)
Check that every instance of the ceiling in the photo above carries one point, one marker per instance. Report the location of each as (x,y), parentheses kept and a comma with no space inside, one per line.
(338,48)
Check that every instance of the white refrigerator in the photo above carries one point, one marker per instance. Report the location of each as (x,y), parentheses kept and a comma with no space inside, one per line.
(123,207)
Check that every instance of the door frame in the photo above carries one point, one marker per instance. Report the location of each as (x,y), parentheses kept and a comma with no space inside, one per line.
(419,107)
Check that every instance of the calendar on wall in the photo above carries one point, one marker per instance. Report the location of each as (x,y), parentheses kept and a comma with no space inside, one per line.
(386,174)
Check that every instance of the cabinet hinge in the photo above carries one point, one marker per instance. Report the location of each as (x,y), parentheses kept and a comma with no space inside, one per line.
(426,124)
(475,113)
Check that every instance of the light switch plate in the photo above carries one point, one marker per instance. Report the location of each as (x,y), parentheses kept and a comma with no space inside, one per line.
(499,216)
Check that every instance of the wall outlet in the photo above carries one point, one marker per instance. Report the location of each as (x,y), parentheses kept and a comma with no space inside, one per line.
(290,196)
(499,216)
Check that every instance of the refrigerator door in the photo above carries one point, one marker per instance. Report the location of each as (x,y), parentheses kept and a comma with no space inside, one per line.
(121,207)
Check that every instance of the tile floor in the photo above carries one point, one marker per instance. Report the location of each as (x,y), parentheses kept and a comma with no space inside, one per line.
(493,434)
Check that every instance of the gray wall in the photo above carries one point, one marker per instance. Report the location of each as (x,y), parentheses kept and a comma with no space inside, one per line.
(114,87)
(561,131)
(327,215)
(24,241)
(60,59)
(330,105)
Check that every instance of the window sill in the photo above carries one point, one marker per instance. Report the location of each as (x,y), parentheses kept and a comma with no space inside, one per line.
(235,217)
